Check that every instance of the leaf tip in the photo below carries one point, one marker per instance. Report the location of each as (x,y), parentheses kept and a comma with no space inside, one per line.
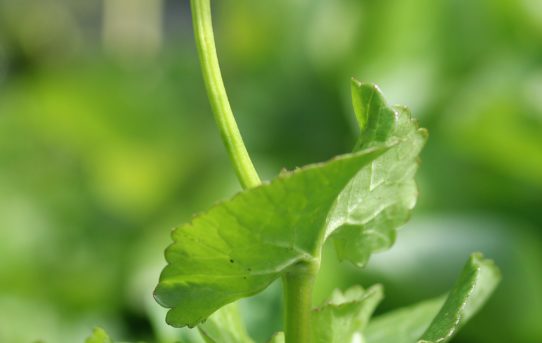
(363,93)
(478,260)
(365,86)
(423,132)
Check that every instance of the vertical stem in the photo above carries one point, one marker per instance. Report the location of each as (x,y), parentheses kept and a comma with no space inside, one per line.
(203,27)
(297,285)
(299,281)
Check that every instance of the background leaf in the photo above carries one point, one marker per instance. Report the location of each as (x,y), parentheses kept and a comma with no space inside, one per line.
(438,320)
(225,326)
(476,283)
(99,336)
(344,314)
(403,325)
(277,338)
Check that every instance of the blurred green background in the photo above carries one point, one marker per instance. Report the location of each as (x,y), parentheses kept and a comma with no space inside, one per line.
(107,142)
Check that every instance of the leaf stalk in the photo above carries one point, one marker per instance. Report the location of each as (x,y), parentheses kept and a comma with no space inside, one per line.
(216,91)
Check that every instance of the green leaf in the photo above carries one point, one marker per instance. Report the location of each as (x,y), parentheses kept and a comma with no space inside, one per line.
(99,336)
(404,325)
(380,198)
(476,283)
(344,315)
(225,326)
(277,338)
(437,321)
(237,248)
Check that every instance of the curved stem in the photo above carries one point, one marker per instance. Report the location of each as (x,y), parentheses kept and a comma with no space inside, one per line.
(299,281)
(203,27)
(297,288)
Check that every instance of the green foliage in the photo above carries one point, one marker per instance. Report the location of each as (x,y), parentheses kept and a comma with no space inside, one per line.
(239,247)
(99,336)
(277,338)
(476,283)
(339,319)
(225,326)
(403,325)
(438,320)
(344,315)
(380,198)
(95,166)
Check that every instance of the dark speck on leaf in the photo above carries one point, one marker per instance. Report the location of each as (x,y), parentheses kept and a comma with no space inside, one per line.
(231,261)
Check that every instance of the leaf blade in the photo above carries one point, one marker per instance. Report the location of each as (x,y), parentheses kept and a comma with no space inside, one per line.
(239,247)
(438,320)
(380,198)
(475,285)
(225,326)
(344,315)
(404,325)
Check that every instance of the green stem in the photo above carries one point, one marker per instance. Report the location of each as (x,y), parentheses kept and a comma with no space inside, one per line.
(297,285)
(203,27)
(299,281)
